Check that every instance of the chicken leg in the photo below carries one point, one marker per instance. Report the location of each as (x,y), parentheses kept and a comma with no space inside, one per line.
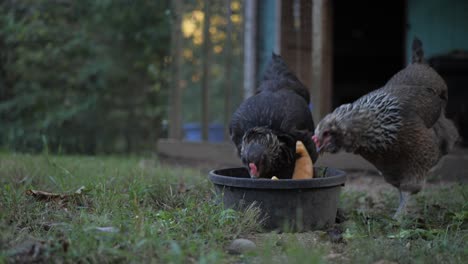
(404,197)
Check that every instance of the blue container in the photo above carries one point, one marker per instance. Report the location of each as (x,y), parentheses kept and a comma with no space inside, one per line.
(192,132)
(216,132)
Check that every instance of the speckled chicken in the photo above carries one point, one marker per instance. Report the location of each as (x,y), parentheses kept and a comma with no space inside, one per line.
(400,128)
(266,126)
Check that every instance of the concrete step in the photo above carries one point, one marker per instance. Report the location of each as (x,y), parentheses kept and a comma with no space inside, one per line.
(453,167)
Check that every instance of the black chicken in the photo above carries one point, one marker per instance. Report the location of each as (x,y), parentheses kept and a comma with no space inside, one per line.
(401,128)
(266,126)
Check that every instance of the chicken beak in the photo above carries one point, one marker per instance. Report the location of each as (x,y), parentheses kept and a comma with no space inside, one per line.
(318,146)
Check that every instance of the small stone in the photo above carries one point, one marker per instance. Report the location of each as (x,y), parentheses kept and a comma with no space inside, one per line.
(332,256)
(241,245)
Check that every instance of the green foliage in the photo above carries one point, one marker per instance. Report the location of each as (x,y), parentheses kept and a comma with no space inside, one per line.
(193,58)
(88,76)
(434,231)
(134,211)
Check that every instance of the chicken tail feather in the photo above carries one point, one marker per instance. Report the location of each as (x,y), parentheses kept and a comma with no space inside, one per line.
(278,70)
(447,134)
(418,52)
(278,76)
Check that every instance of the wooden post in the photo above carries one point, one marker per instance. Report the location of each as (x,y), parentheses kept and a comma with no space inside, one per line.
(228,70)
(206,69)
(277,44)
(250,47)
(321,89)
(296,39)
(175,97)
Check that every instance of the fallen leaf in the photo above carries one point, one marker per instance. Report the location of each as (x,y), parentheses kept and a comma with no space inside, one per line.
(81,190)
(408,245)
(48,226)
(61,199)
(182,188)
(47,196)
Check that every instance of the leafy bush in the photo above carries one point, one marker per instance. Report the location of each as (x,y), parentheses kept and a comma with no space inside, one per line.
(83,76)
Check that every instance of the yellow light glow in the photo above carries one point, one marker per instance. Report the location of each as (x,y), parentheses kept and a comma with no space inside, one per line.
(188,27)
(213,30)
(188,54)
(195,78)
(235,5)
(198,15)
(218,48)
(236,19)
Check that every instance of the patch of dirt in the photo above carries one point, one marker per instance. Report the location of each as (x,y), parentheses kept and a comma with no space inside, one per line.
(374,185)
(368,181)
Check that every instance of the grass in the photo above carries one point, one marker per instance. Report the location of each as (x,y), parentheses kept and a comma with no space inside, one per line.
(136,210)
(153,213)
(434,231)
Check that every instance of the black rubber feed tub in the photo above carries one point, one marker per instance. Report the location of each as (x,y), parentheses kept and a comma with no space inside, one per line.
(289,205)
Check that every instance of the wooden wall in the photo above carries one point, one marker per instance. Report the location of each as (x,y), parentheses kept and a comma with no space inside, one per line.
(441,25)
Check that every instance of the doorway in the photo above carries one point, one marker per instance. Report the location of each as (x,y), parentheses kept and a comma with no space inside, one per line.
(368,46)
